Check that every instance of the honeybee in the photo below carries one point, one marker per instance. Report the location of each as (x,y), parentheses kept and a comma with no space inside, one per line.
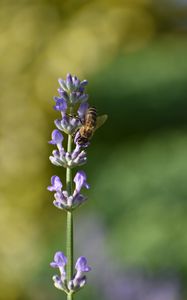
(91,123)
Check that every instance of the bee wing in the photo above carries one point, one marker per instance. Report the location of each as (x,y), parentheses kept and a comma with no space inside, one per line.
(100,121)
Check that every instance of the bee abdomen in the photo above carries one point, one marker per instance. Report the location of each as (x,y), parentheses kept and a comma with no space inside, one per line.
(91,117)
(92,110)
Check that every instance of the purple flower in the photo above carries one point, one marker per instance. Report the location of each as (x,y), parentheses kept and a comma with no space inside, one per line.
(60,261)
(57,139)
(61,104)
(83,98)
(62,84)
(80,181)
(84,83)
(61,158)
(81,265)
(62,199)
(56,184)
(82,109)
(57,158)
(76,81)
(63,94)
(69,81)
(72,91)
(79,279)
(68,124)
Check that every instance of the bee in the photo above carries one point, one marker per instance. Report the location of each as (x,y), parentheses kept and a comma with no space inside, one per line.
(91,123)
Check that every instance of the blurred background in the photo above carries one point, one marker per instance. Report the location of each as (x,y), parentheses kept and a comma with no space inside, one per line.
(133,228)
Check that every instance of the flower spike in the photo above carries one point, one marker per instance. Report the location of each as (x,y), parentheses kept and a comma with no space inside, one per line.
(75,118)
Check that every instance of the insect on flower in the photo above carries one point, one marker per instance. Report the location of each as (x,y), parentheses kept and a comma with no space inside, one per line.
(90,124)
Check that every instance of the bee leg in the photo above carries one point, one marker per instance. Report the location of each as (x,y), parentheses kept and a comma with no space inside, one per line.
(76,117)
(74,134)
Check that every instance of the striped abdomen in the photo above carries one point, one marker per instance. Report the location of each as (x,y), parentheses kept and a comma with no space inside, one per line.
(87,130)
(91,117)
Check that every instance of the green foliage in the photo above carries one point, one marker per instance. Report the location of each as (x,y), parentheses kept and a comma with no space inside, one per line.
(142,190)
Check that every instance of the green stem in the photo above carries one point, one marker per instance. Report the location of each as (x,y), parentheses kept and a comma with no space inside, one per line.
(70,297)
(69,240)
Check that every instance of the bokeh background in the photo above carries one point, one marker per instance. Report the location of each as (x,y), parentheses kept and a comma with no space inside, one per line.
(133,228)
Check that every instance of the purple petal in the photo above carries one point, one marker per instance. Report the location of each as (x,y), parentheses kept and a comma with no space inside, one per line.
(82,109)
(56,184)
(61,104)
(84,83)
(81,265)
(76,151)
(57,137)
(81,89)
(60,260)
(76,81)
(53,264)
(75,122)
(80,181)
(79,199)
(65,121)
(58,204)
(62,84)
(78,282)
(63,94)
(69,81)
(60,199)
(83,98)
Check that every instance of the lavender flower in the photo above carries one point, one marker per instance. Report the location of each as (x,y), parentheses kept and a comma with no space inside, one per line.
(62,199)
(79,278)
(61,104)
(80,181)
(61,158)
(72,105)
(57,139)
(56,184)
(60,261)
(82,110)
(72,90)
(68,124)
(65,159)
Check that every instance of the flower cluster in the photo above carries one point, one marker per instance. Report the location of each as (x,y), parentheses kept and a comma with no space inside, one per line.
(79,278)
(72,105)
(71,100)
(66,159)
(71,94)
(62,199)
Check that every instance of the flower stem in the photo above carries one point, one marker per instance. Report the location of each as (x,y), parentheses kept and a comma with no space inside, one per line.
(70,297)
(69,237)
